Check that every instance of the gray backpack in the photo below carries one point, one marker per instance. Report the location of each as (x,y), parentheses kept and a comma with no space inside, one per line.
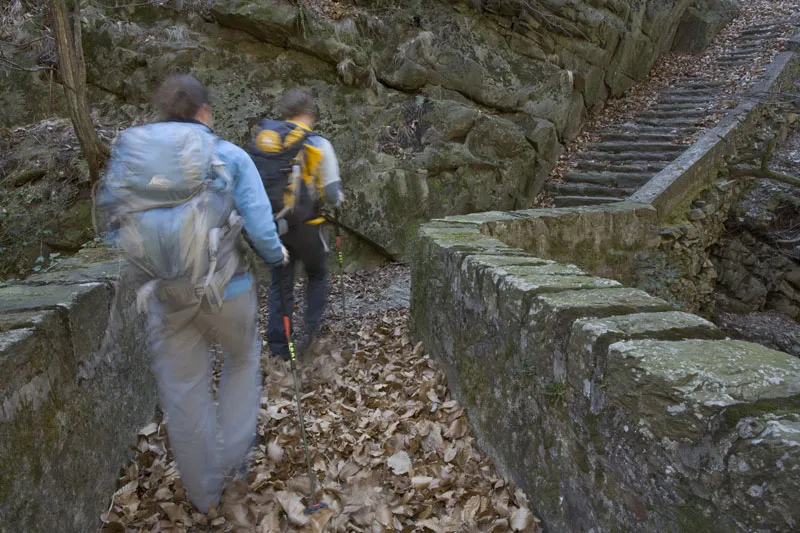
(168,204)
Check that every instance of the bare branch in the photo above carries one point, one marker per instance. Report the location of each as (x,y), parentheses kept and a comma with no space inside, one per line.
(26,43)
(10,64)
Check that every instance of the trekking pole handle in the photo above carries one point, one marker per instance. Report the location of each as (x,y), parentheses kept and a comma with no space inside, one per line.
(287,323)
(341,269)
(338,240)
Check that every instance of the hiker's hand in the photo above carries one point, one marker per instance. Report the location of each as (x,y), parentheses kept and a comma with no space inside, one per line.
(285,255)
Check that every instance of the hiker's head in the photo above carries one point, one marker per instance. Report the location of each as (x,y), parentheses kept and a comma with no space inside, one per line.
(298,105)
(182,97)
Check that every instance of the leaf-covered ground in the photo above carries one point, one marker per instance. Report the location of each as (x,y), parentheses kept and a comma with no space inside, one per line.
(392,450)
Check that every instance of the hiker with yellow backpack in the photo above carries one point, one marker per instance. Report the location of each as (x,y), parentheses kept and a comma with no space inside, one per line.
(300,173)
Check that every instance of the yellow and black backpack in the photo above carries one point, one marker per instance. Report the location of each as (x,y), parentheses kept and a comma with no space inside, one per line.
(288,165)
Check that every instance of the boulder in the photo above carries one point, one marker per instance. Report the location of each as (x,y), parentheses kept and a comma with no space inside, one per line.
(702,22)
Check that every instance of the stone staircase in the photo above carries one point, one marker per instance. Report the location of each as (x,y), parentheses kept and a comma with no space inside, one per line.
(628,155)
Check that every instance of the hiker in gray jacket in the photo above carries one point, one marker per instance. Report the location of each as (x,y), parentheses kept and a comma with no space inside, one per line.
(175,200)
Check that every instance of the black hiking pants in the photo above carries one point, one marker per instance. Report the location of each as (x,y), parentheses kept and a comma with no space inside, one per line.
(307,244)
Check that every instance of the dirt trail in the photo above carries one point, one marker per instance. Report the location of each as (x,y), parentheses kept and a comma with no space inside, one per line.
(392,450)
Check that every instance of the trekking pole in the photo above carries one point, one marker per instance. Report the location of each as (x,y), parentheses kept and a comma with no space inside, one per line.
(341,263)
(315,505)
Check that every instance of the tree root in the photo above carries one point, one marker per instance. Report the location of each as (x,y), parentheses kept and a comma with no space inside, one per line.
(761,172)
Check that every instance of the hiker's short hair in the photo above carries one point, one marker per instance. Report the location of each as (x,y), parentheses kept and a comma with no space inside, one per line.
(180,96)
(297,102)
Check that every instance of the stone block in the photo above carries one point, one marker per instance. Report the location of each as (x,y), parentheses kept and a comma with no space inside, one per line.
(551,316)
(75,388)
(36,358)
(767,443)
(103,271)
(591,337)
(85,306)
(680,387)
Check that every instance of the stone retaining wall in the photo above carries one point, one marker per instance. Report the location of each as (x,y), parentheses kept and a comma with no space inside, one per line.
(610,409)
(74,389)
(613,410)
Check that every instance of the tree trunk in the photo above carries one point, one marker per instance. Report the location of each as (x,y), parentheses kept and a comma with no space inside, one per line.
(72,68)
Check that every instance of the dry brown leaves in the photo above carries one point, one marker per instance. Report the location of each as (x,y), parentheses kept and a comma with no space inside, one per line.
(331,8)
(391,449)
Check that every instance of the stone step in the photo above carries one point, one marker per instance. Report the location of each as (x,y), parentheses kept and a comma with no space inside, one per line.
(761,40)
(626,156)
(693,88)
(589,189)
(614,146)
(739,54)
(758,29)
(734,62)
(666,99)
(757,40)
(699,83)
(688,106)
(683,113)
(577,201)
(691,93)
(632,127)
(646,133)
(610,179)
(746,49)
(685,108)
(632,167)
(670,122)
(649,137)
(760,33)
(764,25)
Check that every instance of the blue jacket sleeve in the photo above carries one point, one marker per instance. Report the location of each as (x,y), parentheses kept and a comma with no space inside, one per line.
(254,207)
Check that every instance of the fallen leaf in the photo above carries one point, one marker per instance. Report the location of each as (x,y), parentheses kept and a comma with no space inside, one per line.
(421,482)
(400,463)
(292,505)
(149,429)
(274,451)
(521,518)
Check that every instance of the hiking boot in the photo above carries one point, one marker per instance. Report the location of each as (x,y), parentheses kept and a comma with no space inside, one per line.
(280,356)
(308,347)
(314,346)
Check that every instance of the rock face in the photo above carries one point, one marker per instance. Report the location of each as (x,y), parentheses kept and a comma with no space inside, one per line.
(75,388)
(758,260)
(435,108)
(611,410)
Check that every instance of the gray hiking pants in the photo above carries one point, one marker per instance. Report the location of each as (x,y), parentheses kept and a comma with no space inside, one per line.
(208,441)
